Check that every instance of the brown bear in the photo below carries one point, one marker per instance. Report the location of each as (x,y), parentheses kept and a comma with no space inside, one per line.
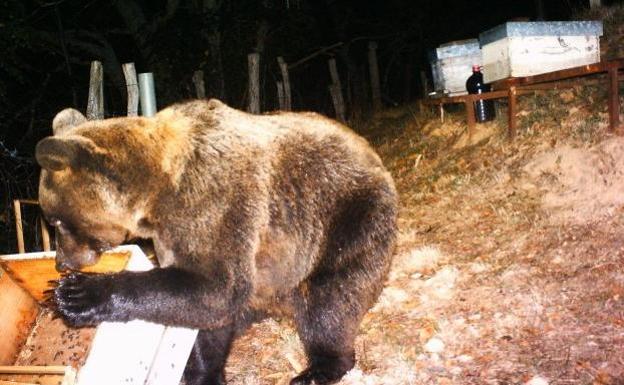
(288,214)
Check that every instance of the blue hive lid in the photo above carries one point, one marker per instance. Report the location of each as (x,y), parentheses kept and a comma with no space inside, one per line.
(454,49)
(541,28)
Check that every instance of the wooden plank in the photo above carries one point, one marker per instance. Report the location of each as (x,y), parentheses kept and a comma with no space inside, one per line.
(19,312)
(33,271)
(585,70)
(512,112)
(2,382)
(35,369)
(470,116)
(19,230)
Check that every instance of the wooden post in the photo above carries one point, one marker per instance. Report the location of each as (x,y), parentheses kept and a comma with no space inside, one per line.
(333,72)
(95,103)
(285,83)
(336,95)
(595,3)
(335,90)
(374,75)
(470,115)
(198,81)
(253,62)
(614,99)
(280,95)
(45,235)
(512,112)
(19,230)
(132,86)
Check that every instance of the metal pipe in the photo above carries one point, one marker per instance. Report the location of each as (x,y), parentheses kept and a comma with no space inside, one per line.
(147,94)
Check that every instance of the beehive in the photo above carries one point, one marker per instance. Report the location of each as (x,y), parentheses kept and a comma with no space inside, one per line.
(49,353)
(517,49)
(451,65)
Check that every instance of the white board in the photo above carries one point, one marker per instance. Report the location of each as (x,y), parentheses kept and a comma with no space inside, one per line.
(137,352)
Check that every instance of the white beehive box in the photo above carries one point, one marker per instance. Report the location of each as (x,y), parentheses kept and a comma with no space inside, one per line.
(451,65)
(517,49)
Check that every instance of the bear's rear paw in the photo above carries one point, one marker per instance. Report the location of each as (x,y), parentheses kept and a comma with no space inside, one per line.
(324,372)
(82,299)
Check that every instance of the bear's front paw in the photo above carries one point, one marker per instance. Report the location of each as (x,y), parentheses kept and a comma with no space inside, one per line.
(83,299)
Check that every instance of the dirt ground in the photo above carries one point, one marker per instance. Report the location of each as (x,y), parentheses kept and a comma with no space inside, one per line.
(509,263)
(510,255)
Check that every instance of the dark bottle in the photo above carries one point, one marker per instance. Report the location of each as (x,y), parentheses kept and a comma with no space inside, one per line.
(484,109)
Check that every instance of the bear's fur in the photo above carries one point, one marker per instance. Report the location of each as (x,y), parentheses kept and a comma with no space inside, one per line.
(251,215)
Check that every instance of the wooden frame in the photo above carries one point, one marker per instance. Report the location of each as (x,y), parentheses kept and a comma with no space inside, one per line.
(137,352)
(64,375)
(512,87)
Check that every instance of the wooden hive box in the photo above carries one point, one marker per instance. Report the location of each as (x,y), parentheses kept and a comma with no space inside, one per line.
(517,49)
(451,65)
(38,349)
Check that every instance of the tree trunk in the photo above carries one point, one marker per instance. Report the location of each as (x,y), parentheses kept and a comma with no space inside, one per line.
(253,62)
(595,3)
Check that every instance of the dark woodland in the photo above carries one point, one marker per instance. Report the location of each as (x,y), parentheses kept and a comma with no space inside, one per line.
(47,46)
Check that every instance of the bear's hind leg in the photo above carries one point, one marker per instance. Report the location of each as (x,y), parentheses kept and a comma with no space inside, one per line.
(331,304)
(327,330)
(207,361)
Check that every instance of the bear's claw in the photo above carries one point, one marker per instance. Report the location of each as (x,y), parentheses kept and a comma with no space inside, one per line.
(82,299)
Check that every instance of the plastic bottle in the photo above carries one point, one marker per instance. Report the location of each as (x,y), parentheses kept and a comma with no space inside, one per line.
(484,109)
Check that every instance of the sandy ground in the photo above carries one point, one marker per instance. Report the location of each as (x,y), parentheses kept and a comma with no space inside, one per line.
(509,264)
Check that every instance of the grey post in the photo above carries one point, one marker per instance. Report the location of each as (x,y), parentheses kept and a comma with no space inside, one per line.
(147,94)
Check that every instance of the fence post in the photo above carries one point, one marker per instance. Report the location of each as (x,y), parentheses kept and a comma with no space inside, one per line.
(336,95)
(95,103)
(147,94)
(335,90)
(281,99)
(132,87)
(253,62)
(286,83)
(374,75)
(198,81)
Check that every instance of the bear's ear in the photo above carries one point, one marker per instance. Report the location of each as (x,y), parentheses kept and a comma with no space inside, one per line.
(67,119)
(56,154)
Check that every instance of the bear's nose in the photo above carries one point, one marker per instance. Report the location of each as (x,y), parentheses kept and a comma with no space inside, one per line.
(61,266)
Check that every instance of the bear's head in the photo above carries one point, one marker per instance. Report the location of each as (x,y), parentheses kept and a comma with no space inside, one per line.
(93,178)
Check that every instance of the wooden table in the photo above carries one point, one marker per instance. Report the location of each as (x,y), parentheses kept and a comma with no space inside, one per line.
(510,88)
